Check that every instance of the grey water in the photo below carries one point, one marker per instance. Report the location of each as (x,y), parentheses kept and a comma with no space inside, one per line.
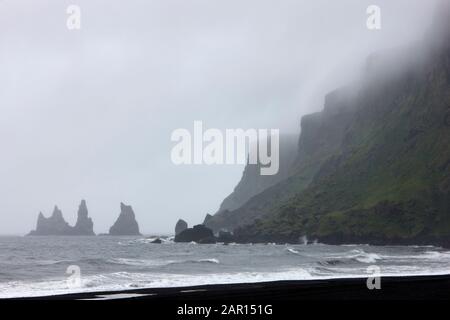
(38,266)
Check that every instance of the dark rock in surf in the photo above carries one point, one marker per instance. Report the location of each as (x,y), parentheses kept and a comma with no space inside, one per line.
(180,226)
(225,237)
(196,234)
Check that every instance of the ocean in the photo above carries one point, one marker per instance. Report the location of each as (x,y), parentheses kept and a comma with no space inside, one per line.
(37,266)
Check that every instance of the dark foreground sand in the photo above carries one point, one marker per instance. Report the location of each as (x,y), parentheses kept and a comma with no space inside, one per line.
(392,288)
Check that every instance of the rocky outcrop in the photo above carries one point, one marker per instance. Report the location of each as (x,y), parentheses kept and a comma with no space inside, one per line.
(55,225)
(225,237)
(198,233)
(84,224)
(126,224)
(383,177)
(372,167)
(251,184)
(207,218)
(180,226)
(321,135)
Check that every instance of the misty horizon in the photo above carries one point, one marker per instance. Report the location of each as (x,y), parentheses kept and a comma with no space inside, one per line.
(88,114)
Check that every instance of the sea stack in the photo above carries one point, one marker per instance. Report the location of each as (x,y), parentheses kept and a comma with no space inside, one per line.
(180,226)
(84,225)
(54,225)
(126,224)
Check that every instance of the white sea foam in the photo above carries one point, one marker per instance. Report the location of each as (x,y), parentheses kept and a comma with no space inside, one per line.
(427,255)
(292,250)
(141,262)
(357,255)
(125,280)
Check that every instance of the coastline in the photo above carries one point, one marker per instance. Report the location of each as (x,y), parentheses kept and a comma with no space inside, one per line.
(433,287)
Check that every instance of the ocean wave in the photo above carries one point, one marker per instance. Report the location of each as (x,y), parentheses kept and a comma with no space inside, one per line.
(139,262)
(164,240)
(293,251)
(148,263)
(52,262)
(356,255)
(212,261)
(126,280)
(427,255)
(216,261)
(331,262)
(364,257)
(436,255)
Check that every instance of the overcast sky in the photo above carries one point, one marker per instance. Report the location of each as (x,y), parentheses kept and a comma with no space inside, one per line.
(88,114)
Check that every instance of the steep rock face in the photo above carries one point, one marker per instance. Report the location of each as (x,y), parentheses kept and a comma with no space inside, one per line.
(84,224)
(374,165)
(54,225)
(387,180)
(198,233)
(207,218)
(321,135)
(126,224)
(253,183)
(180,226)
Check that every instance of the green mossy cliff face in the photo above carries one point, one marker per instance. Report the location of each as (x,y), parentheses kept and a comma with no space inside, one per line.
(386,178)
(372,167)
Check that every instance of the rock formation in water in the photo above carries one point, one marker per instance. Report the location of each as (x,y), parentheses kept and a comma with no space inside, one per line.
(55,225)
(126,224)
(198,233)
(180,226)
(84,224)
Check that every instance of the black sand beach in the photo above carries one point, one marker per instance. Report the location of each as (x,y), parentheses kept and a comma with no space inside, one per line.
(392,288)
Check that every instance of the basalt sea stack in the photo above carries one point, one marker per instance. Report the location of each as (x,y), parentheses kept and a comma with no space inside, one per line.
(126,224)
(84,225)
(56,225)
